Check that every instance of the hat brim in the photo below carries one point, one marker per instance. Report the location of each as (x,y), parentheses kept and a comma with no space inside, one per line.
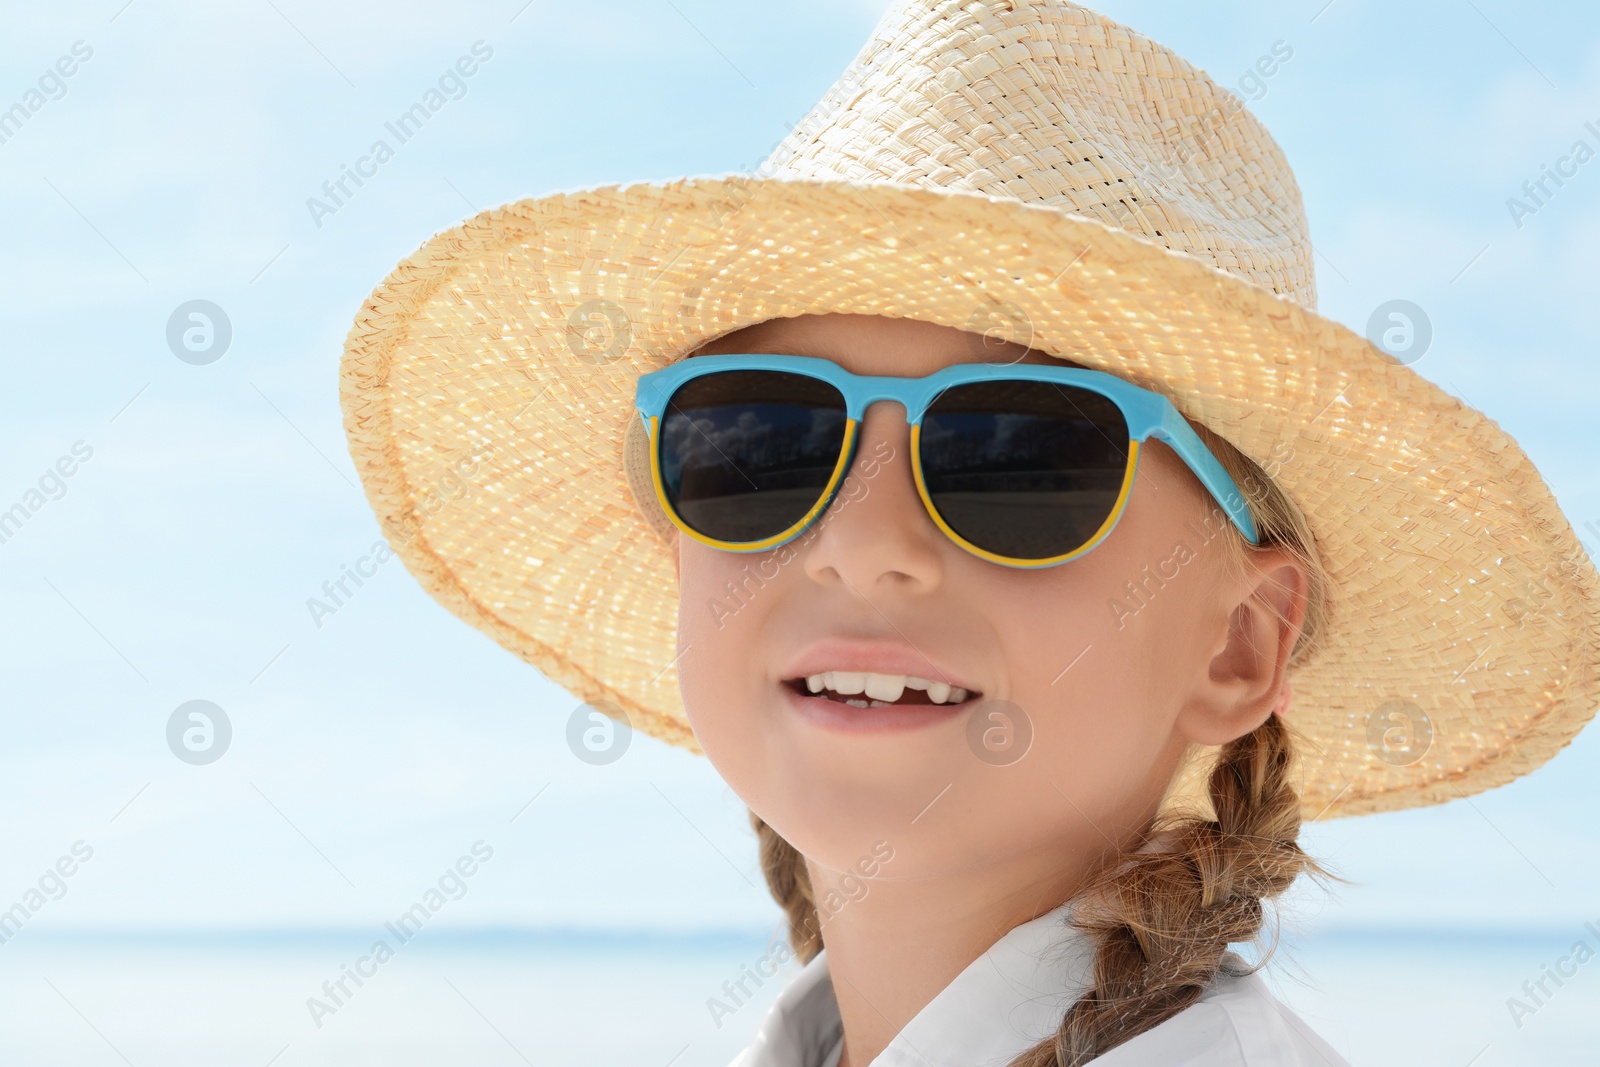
(488,381)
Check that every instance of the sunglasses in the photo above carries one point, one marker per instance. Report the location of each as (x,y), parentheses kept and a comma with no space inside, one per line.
(1020,464)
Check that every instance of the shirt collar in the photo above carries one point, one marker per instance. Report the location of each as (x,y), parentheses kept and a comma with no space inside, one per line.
(1005,1002)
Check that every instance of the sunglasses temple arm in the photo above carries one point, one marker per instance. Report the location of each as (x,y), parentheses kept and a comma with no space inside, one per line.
(1175,431)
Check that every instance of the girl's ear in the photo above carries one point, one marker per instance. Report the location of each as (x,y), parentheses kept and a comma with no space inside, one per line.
(1262,611)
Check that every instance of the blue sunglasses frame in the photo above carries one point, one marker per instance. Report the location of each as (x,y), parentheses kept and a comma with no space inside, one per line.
(1148,414)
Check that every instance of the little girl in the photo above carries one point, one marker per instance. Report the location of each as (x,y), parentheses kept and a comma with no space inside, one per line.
(968,485)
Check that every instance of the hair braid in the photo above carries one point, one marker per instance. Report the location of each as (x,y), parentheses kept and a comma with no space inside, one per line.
(1162,920)
(790,885)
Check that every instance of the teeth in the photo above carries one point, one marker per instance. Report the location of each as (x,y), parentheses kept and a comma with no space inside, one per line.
(847,683)
(885,687)
(881,688)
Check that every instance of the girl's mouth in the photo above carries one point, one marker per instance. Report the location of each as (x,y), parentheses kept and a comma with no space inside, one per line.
(862,689)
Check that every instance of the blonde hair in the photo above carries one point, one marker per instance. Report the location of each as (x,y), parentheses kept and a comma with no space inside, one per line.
(1161,921)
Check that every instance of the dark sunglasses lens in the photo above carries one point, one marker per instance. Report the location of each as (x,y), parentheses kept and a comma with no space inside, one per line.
(1028,470)
(746,453)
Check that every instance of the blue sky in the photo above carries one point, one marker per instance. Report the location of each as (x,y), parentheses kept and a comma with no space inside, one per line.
(372,751)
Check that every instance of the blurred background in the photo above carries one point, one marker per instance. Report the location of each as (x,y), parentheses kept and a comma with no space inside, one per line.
(177,911)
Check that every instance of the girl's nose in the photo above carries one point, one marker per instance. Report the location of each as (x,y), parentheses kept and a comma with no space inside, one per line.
(876,533)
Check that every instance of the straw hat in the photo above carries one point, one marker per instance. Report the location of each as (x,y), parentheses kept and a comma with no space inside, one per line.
(1029,169)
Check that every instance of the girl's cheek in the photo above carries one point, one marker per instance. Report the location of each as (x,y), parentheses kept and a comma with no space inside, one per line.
(719,659)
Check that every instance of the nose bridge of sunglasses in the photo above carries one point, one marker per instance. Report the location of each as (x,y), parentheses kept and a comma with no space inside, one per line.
(912,395)
(879,411)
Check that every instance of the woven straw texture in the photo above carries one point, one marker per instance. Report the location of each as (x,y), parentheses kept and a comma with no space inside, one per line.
(1041,173)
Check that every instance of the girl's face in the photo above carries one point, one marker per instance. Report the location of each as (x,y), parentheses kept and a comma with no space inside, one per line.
(1087,681)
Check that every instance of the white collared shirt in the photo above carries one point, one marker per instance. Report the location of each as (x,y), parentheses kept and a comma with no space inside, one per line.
(1014,996)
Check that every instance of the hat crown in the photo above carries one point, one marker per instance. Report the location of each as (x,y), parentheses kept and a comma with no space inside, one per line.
(1051,103)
